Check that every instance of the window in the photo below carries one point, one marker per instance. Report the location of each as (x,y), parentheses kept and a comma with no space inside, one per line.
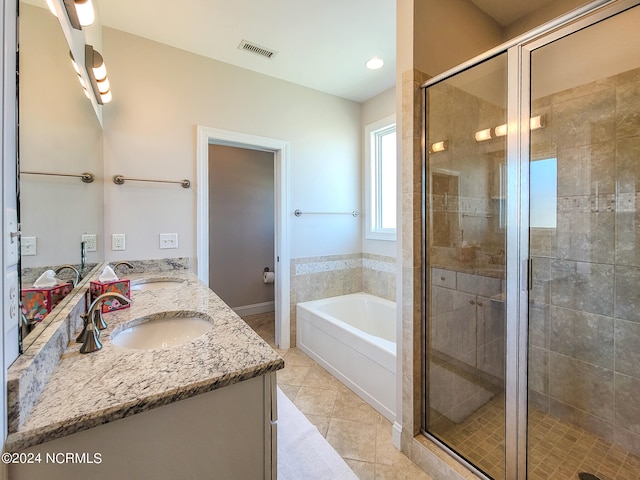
(543,193)
(381,179)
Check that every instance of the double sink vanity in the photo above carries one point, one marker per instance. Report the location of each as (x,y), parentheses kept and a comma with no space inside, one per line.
(160,399)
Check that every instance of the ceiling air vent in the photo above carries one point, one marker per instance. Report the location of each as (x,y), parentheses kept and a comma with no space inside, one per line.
(257,49)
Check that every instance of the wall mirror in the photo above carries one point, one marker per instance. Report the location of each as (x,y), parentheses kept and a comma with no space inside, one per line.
(60,139)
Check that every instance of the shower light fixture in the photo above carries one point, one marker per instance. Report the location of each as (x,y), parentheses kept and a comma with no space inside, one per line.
(500,130)
(439,146)
(482,135)
(537,122)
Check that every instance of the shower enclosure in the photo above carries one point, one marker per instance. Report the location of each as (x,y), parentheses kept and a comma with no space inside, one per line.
(532,253)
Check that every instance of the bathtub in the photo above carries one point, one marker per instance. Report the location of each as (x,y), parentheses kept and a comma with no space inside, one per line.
(353,337)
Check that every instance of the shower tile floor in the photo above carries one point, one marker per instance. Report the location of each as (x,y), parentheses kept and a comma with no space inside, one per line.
(558,450)
(353,428)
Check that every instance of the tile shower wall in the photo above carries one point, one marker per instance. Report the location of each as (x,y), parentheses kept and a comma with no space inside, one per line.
(313,278)
(585,316)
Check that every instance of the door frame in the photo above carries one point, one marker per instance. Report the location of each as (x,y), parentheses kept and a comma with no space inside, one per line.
(282,255)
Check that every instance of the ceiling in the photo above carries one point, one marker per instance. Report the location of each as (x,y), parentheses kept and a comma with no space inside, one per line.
(321,45)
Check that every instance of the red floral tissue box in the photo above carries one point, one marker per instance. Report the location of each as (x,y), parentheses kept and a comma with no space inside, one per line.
(37,303)
(110,304)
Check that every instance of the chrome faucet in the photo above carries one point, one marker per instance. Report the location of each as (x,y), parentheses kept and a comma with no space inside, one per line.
(70,267)
(123,262)
(90,335)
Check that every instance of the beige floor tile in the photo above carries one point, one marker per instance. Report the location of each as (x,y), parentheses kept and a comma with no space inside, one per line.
(315,401)
(289,390)
(321,422)
(386,453)
(292,374)
(318,377)
(400,471)
(364,470)
(351,407)
(296,357)
(352,439)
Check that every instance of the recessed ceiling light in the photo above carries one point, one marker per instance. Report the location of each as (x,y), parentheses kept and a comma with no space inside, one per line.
(374,63)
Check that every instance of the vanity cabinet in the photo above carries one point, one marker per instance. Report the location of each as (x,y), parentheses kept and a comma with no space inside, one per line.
(465,339)
(227,433)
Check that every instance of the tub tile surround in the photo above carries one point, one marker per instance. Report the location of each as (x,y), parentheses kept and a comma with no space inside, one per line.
(114,383)
(313,278)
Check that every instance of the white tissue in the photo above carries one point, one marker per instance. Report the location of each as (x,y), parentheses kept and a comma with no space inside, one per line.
(108,275)
(269,277)
(47,279)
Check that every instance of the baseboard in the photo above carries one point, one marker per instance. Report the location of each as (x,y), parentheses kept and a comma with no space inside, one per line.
(396,433)
(255,309)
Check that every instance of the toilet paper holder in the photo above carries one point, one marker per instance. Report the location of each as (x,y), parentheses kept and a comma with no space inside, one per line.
(266,269)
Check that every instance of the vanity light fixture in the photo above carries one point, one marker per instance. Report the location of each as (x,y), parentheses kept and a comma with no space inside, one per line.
(439,146)
(374,63)
(482,135)
(97,74)
(80,12)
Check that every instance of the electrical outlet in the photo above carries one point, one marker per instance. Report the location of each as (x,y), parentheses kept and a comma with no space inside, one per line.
(28,246)
(117,241)
(168,240)
(90,243)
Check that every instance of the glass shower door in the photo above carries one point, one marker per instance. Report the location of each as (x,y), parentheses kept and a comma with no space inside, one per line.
(465,263)
(584,235)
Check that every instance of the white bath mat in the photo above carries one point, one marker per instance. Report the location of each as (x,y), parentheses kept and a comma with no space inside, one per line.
(303,453)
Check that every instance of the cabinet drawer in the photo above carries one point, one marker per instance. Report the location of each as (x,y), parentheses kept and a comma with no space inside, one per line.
(443,278)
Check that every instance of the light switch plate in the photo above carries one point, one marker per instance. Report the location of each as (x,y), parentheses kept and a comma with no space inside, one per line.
(168,240)
(12,230)
(28,246)
(117,241)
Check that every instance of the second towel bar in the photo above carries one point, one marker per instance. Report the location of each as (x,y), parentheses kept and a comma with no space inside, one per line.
(120,179)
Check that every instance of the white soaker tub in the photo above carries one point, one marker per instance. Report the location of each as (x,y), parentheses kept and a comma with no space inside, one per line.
(354,337)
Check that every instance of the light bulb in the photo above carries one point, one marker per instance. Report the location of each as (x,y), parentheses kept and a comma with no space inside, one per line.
(500,130)
(52,8)
(103,86)
(374,63)
(86,15)
(483,135)
(106,97)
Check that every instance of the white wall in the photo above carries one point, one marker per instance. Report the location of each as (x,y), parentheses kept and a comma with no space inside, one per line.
(59,133)
(161,93)
(374,109)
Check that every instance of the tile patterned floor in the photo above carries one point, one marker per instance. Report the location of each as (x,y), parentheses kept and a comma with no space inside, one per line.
(559,451)
(353,428)
(362,436)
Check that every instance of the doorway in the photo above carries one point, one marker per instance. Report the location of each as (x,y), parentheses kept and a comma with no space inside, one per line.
(241,228)
(279,149)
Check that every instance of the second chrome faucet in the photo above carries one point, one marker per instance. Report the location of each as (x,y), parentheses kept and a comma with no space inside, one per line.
(90,335)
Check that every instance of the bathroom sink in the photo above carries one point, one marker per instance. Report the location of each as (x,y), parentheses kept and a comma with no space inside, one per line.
(154,283)
(161,331)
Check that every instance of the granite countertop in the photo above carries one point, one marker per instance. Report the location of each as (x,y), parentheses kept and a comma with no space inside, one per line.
(87,390)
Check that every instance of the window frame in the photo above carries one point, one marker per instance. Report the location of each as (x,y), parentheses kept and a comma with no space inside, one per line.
(373,180)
